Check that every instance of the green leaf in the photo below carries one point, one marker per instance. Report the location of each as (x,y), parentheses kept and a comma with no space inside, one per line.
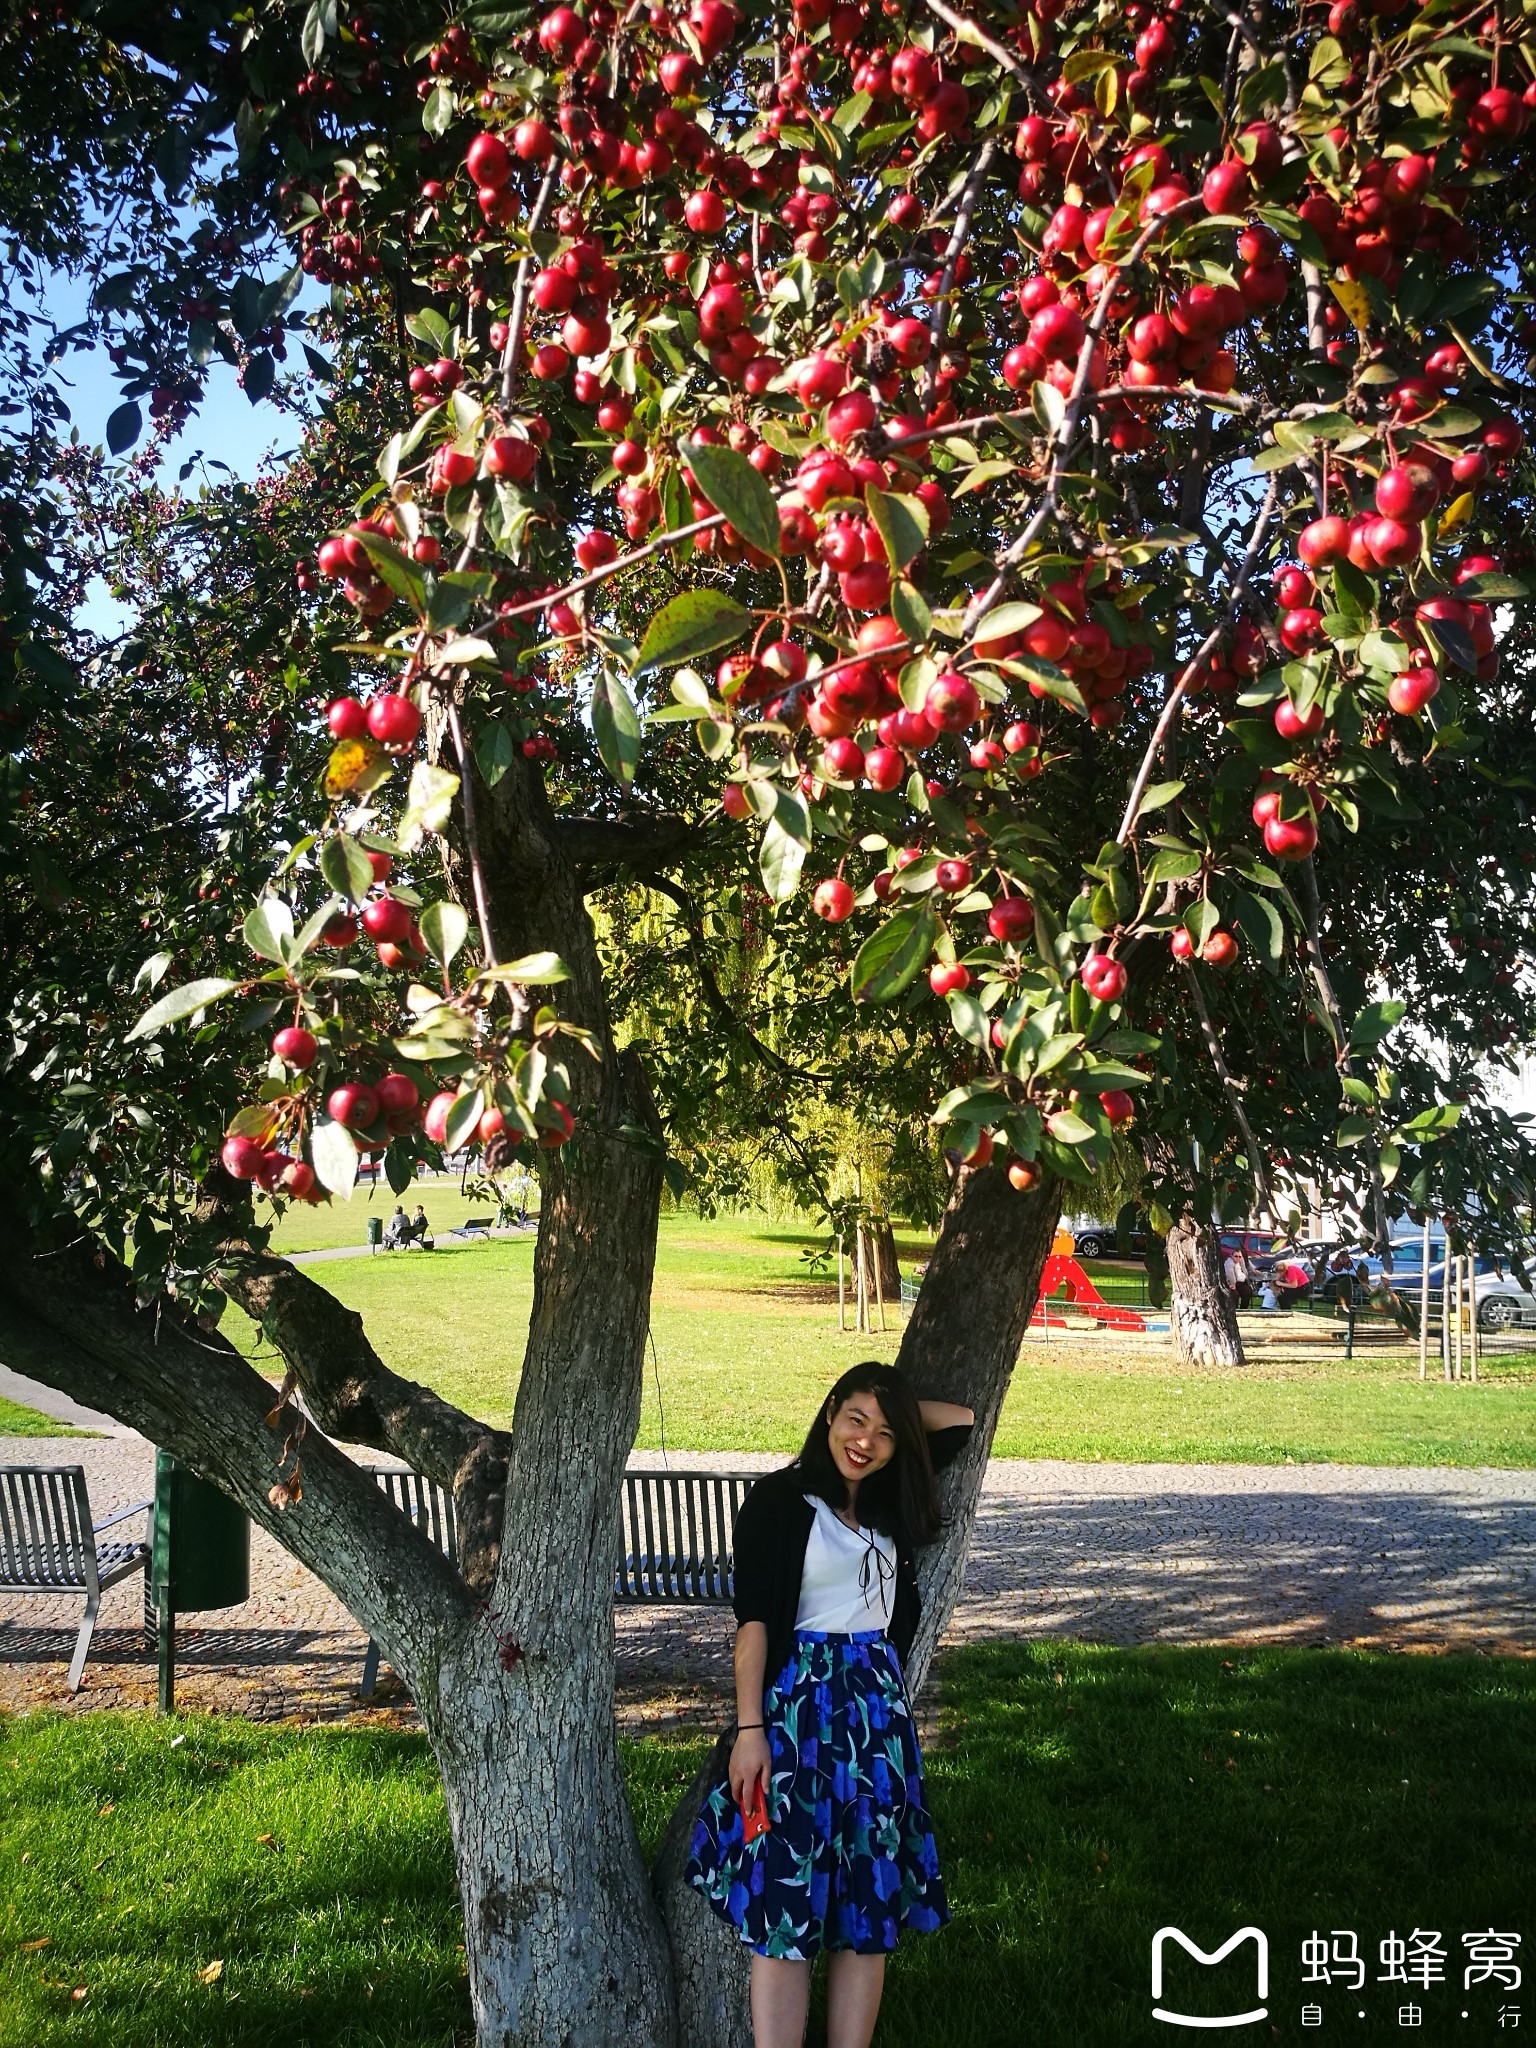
(1049,406)
(396,570)
(901,522)
(268,927)
(1200,920)
(969,1018)
(1160,793)
(529,970)
(892,957)
(333,1154)
(278,297)
(1260,922)
(495,750)
(1353,1130)
(181,1002)
(124,427)
(445,927)
(428,326)
(1490,585)
(615,726)
(438,110)
(346,867)
(428,805)
(695,622)
(1068,1128)
(780,858)
(735,488)
(1374,1022)
(462,1120)
(910,611)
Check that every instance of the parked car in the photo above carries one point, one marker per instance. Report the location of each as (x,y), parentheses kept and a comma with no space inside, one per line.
(1093,1239)
(1505,1300)
(1257,1245)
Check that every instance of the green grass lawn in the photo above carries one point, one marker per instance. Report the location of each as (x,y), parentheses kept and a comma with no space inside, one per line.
(303,1229)
(746,1342)
(18,1421)
(1082,1798)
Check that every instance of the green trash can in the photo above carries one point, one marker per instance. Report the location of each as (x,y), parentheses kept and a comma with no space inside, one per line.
(199,1557)
(375,1232)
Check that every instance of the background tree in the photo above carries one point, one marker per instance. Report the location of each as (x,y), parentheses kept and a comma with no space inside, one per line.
(724,334)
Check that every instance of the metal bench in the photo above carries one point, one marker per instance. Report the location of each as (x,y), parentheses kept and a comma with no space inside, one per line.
(49,1544)
(675,1545)
(474,1226)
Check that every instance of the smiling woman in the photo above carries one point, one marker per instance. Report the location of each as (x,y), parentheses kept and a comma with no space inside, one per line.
(814,1835)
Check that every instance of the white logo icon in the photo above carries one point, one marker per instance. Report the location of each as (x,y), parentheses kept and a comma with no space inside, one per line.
(1233,2019)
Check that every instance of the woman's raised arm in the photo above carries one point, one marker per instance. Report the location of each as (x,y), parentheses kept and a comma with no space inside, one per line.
(944,1415)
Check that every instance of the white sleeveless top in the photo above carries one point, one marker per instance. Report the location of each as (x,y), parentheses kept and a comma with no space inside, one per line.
(843,1588)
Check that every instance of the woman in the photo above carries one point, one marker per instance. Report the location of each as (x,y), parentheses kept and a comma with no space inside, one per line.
(826,1606)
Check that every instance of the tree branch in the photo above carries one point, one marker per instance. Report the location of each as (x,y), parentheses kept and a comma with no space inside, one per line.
(633,840)
(960,234)
(1234,1093)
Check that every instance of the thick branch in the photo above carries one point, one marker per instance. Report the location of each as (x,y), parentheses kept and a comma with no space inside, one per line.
(632,840)
(69,1317)
(349,1390)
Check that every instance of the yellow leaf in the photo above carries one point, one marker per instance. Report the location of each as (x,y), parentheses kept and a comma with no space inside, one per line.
(213,1972)
(42,1941)
(108,1808)
(351,763)
(1457,513)
(1354,299)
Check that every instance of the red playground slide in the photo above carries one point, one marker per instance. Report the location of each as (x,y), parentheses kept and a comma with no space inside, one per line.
(1063,1271)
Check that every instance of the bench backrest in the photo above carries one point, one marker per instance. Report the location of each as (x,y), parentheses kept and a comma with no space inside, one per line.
(677,1535)
(424,1502)
(45,1527)
(676,1540)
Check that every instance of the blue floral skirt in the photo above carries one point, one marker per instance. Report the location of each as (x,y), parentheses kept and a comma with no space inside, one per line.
(849,1857)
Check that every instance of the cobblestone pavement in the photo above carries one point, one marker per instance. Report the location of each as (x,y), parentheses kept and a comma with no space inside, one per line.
(1385,1558)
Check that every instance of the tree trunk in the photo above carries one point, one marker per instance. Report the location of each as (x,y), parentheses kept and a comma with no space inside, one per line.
(882,1243)
(1204,1314)
(961,1344)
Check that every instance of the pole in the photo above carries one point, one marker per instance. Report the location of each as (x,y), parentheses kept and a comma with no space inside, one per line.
(1424,1306)
(1456,1342)
(879,1283)
(842,1320)
(1472,1343)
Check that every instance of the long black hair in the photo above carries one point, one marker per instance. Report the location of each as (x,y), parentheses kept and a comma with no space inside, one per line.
(901,1499)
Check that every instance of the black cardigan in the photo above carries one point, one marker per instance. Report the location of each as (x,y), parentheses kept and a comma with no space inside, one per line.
(768,1546)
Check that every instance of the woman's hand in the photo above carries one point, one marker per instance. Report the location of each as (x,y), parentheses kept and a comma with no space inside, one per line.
(751,1760)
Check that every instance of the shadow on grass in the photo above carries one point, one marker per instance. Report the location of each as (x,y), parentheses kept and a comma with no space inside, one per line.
(1082,1798)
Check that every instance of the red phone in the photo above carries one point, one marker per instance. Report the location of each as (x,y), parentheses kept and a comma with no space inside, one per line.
(754,1818)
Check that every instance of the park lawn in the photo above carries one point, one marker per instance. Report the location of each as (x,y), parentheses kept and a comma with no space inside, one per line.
(18,1421)
(211,1883)
(746,1342)
(332,1224)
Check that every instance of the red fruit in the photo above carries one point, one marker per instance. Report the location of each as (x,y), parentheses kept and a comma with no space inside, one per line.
(1412,690)
(1323,542)
(1180,944)
(296,1047)
(1011,919)
(1290,838)
(980,1153)
(1152,339)
(532,141)
(952,703)
(818,380)
(491,1125)
(842,759)
(509,455)
(488,161)
(1301,629)
(451,468)
(387,918)
(1023,1174)
(1219,950)
(1292,725)
(884,768)
(1020,735)
(952,876)
(704,212)
(1058,332)
(1227,188)
(394,722)
(1391,543)
(787,658)
(987,755)
(1266,804)
(554,291)
(912,341)
(1407,491)
(1117,1105)
(340,932)
(595,550)
(1500,115)
(833,899)
(948,980)
(854,413)
(398,1095)
(242,1158)
(1103,978)
(437,1115)
(735,802)
(347,718)
(353,1105)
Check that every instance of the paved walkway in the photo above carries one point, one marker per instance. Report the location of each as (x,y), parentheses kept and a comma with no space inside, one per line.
(1385,1558)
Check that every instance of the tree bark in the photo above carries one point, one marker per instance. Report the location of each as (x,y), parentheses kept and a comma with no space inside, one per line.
(1204,1314)
(882,1242)
(961,1344)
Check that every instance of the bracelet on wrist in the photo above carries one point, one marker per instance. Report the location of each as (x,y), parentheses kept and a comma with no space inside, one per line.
(746,1727)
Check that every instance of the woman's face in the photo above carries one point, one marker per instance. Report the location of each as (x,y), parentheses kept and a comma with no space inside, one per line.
(861,1439)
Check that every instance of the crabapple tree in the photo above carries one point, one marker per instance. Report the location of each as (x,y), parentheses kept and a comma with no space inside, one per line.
(1032,503)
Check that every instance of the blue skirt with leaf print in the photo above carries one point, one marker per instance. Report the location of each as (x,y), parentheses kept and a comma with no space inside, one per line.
(849,1858)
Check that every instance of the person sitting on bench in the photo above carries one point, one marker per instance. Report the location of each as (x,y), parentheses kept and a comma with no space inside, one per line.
(420,1229)
(397,1231)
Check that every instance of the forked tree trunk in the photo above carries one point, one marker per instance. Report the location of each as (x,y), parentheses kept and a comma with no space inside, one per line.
(961,1344)
(1204,1314)
(882,1242)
